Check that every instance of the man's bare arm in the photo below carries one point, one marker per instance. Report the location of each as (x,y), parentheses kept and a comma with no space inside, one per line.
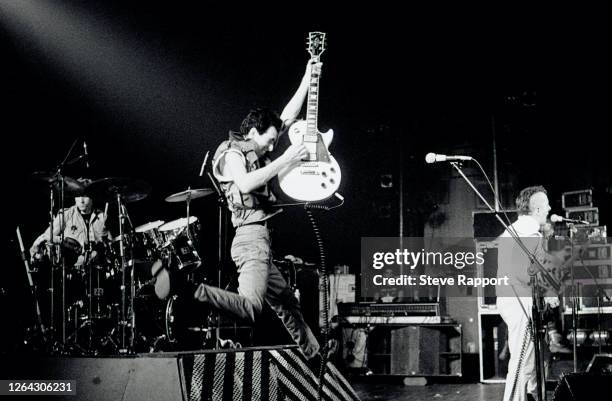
(233,167)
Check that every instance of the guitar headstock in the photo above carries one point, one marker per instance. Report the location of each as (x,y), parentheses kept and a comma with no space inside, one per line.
(316,44)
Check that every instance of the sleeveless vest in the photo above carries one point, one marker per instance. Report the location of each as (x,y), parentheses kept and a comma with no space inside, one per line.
(250,207)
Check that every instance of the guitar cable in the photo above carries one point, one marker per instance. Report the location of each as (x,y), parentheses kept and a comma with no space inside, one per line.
(528,336)
(317,233)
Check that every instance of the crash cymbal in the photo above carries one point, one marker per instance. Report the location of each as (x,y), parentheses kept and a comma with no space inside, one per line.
(71,185)
(130,189)
(189,194)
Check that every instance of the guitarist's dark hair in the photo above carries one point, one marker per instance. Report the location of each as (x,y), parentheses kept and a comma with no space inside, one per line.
(522,200)
(261,119)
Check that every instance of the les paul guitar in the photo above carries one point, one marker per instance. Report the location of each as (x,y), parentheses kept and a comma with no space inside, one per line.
(318,177)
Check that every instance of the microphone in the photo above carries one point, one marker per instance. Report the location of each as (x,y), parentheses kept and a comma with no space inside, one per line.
(434,158)
(86,154)
(558,219)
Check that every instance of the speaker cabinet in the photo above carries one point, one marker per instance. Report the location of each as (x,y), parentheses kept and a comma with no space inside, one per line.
(494,353)
(415,350)
(583,387)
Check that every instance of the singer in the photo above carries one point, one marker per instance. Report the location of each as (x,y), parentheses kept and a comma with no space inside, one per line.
(242,166)
(514,302)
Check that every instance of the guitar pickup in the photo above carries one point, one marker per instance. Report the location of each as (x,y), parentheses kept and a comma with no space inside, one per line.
(310,138)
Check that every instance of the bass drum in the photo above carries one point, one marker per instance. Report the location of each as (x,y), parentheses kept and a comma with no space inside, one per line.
(179,323)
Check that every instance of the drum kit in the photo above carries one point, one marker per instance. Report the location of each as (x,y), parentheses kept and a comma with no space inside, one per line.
(119,296)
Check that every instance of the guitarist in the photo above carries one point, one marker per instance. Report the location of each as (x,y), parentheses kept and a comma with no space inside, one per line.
(514,302)
(243,168)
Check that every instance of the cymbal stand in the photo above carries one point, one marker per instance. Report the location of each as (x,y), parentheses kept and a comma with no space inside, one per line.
(123,322)
(189,237)
(51,249)
(132,314)
(62,223)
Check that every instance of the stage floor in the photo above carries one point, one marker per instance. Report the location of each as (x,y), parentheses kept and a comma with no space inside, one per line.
(445,392)
(368,389)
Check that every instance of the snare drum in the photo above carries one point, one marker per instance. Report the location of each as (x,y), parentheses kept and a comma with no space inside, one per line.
(183,251)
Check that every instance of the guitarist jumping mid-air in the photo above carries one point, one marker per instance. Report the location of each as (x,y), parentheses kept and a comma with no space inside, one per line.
(243,168)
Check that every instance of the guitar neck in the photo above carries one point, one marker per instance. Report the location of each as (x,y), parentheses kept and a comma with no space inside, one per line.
(312,104)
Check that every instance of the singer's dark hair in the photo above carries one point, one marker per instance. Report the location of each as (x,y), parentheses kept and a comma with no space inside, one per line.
(261,119)
(522,200)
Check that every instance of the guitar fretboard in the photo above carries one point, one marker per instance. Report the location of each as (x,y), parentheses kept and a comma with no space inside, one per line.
(313,104)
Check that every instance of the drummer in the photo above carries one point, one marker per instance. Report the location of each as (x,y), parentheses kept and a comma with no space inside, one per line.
(83,225)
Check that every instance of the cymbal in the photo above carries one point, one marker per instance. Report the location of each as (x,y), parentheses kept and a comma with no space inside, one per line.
(131,190)
(189,194)
(70,184)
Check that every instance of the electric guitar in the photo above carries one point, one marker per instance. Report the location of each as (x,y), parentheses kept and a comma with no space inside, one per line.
(558,274)
(318,177)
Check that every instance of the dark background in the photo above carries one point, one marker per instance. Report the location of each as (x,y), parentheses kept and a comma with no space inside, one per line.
(152,88)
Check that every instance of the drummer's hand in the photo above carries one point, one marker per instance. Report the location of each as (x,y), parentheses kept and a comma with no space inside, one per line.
(94,257)
(36,252)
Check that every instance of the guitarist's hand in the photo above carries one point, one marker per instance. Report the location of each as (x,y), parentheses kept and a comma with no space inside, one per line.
(294,155)
(314,67)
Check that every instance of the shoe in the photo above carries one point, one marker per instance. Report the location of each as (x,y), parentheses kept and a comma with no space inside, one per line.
(314,363)
(555,344)
(557,348)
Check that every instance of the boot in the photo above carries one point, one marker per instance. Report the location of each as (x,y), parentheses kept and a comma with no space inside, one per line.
(555,343)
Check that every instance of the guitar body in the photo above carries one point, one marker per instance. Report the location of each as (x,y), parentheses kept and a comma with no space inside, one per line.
(315,179)
(318,177)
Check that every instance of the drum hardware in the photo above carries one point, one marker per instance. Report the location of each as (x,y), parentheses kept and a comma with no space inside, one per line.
(40,326)
(222,236)
(123,190)
(62,184)
(173,324)
(180,242)
(187,196)
(149,238)
(97,320)
(289,266)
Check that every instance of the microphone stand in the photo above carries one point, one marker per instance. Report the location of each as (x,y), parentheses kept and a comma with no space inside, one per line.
(221,234)
(538,268)
(573,295)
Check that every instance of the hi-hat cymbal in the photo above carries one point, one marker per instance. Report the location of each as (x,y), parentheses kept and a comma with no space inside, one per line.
(71,185)
(131,190)
(189,194)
